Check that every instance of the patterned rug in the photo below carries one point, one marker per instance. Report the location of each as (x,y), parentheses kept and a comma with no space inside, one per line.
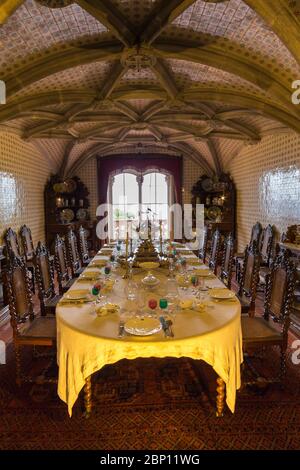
(162,404)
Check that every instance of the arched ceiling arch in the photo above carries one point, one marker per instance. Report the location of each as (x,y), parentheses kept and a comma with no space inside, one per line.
(197,77)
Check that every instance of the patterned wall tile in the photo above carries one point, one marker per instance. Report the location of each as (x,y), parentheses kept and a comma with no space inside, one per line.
(267,177)
(23,174)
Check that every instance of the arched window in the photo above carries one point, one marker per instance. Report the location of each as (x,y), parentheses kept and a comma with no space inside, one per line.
(135,197)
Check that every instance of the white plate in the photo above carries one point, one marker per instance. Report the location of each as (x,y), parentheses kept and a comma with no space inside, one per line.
(220,293)
(142,326)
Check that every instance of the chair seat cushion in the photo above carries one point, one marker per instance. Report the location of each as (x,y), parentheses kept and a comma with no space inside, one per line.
(41,327)
(257,329)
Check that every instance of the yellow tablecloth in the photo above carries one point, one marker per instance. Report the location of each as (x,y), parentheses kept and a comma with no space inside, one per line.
(86,342)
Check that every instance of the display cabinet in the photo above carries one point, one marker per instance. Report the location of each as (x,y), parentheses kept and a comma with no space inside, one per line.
(218,195)
(67,206)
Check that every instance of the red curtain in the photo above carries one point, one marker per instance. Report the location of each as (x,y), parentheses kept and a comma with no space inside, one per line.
(141,163)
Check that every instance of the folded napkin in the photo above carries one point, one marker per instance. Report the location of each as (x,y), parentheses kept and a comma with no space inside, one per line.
(74,302)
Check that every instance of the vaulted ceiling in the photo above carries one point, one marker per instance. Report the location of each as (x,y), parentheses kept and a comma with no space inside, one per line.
(198,78)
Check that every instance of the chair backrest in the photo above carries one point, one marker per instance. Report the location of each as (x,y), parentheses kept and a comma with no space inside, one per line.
(280,291)
(18,289)
(74,258)
(215,250)
(83,244)
(227,262)
(27,243)
(44,271)
(256,233)
(250,275)
(267,239)
(61,262)
(11,243)
(203,244)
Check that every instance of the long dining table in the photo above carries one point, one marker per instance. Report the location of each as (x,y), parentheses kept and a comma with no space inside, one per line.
(87,342)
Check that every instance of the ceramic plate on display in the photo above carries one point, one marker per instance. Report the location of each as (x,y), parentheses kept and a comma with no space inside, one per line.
(207,184)
(142,326)
(220,293)
(81,214)
(67,215)
(213,213)
(70,185)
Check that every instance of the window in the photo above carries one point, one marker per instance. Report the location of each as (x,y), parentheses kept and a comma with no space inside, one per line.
(136,197)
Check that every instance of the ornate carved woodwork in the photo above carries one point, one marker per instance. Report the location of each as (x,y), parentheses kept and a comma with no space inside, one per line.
(83,245)
(45,279)
(227,261)
(28,328)
(250,278)
(74,258)
(62,267)
(272,328)
(215,251)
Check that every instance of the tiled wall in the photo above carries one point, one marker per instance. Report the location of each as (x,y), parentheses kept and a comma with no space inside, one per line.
(23,174)
(88,175)
(267,177)
(191,173)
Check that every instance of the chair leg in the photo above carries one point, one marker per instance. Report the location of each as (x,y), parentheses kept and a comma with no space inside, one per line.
(18,365)
(88,396)
(282,366)
(220,397)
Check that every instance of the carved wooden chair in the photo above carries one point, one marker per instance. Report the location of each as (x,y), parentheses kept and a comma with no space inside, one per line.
(215,251)
(45,279)
(266,247)
(203,245)
(13,250)
(28,328)
(256,234)
(227,262)
(250,278)
(28,251)
(27,243)
(74,258)
(83,246)
(65,281)
(12,244)
(272,328)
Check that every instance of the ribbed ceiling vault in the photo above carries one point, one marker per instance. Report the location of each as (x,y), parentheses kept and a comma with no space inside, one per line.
(198,78)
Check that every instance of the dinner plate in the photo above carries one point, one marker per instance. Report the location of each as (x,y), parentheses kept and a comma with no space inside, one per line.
(193,261)
(90,275)
(99,263)
(220,293)
(142,326)
(77,294)
(106,251)
(203,272)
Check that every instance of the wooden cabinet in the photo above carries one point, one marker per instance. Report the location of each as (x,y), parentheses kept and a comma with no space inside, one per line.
(218,196)
(67,206)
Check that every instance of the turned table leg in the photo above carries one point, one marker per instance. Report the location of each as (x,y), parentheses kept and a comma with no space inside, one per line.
(88,396)
(220,397)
